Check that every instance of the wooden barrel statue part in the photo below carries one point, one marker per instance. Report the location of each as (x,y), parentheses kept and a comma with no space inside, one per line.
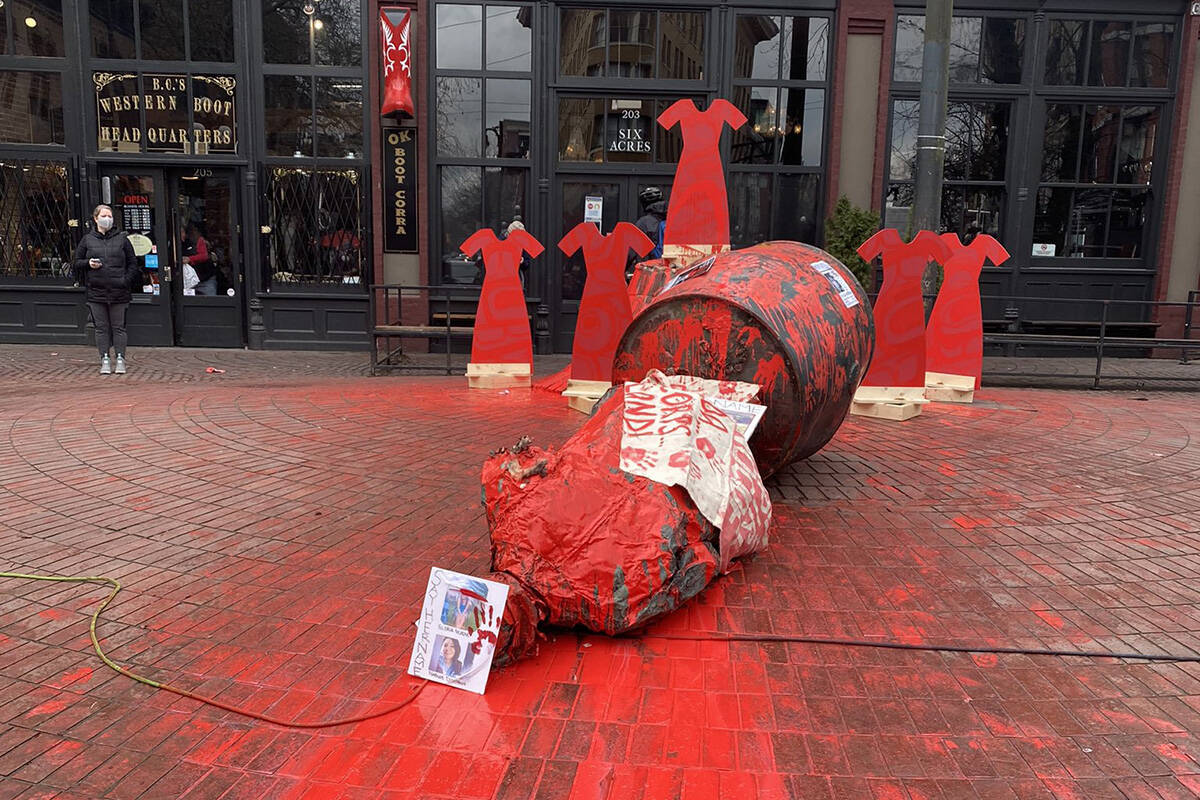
(784,315)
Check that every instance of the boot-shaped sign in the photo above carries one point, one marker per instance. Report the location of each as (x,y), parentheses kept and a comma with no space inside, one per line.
(899,359)
(698,213)
(604,311)
(502,333)
(954,339)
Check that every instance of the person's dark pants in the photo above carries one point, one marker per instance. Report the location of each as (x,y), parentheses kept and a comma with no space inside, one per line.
(109,319)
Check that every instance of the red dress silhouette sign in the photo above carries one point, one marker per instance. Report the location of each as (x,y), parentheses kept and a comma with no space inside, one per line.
(954,339)
(899,358)
(604,311)
(502,322)
(699,211)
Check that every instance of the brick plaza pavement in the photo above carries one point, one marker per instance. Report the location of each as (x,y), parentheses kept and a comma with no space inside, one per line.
(274,527)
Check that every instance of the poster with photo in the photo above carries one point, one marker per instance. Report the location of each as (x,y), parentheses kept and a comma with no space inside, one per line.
(745,415)
(457,630)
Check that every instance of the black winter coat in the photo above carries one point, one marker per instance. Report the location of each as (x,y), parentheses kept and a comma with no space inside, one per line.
(110,283)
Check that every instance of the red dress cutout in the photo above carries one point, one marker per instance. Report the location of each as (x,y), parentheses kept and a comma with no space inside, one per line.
(954,338)
(698,212)
(899,313)
(604,311)
(502,321)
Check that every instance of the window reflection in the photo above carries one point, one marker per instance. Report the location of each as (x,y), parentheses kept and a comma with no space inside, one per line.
(459,117)
(756,141)
(31,107)
(211,26)
(461,191)
(509,39)
(582,42)
(504,196)
(339,117)
(1153,49)
(1064,52)
(45,36)
(287,102)
(506,131)
(337,41)
(681,45)
(112,29)
(903,158)
(1136,155)
(801,123)
(756,47)
(631,37)
(982,49)
(1109,60)
(285,29)
(804,48)
(796,210)
(580,129)
(459,36)
(161,26)
(750,208)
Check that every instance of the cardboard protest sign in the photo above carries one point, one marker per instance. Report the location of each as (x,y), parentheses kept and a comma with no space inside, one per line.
(502,334)
(899,359)
(698,213)
(604,311)
(458,629)
(954,338)
(674,435)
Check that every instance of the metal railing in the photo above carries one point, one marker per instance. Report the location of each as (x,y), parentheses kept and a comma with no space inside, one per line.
(387,307)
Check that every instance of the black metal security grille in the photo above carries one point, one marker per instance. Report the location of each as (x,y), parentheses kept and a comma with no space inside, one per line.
(317,235)
(35,207)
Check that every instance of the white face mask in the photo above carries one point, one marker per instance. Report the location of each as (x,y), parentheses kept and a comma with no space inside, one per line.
(103,223)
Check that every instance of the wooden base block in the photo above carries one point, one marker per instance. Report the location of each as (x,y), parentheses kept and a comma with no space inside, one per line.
(946,388)
(499,376)
(893,411)
(582,395)
(890,394)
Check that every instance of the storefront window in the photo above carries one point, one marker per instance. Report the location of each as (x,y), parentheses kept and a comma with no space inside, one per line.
(506,122)
(36,25)
(1108,152)
(509,43)
(210,23)
(460,117)
(975,168)
(982,49)
(337,41)
(339,117)
(112,29)
(617,130)
(459,36)
(35,204)
(780,82)
(316,227)
(31,107)
(162,29)
(1109,53)
(633,43)
(287,115)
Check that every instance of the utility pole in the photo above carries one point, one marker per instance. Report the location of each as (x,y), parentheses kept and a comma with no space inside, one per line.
(931,129)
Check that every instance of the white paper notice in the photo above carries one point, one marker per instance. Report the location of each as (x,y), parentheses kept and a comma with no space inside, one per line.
(593,209)
(849,300)
(457,630)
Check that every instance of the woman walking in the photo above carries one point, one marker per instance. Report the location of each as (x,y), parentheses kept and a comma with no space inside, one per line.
(106,264)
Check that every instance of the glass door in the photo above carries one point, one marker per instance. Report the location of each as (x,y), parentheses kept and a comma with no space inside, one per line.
(207,291)
(604,200)
(138,200)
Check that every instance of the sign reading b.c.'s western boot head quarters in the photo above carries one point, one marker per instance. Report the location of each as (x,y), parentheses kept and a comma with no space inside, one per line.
(165,113)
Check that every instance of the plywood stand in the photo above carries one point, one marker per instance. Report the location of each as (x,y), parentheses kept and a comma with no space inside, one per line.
(499,376)
(888,402)
(946,388)
(582,395)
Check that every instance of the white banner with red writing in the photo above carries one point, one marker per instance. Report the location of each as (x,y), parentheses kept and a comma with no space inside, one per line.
(673,434)
(396,47)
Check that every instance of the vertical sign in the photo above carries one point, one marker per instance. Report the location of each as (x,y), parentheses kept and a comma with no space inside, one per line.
(399,190)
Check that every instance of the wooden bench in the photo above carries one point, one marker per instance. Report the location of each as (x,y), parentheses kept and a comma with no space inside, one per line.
(387,300)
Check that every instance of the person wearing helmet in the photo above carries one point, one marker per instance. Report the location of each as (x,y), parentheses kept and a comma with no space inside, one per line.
(653,219)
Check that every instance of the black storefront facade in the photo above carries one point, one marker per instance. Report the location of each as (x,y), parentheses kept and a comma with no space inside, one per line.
(256,122)
(240,123)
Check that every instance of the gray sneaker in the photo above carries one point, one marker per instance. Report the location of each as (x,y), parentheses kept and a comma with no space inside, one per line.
(120,370)
(105,366)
